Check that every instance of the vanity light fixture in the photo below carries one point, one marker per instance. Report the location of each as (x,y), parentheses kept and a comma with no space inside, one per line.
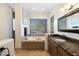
(68,7)
(62,10)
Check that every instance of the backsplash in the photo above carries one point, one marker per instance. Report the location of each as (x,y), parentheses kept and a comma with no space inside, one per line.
(72,35)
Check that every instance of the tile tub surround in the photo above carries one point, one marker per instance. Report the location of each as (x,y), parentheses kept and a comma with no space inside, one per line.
(37,38)
(34,34)
(40,36)
(33,45)
(71,45)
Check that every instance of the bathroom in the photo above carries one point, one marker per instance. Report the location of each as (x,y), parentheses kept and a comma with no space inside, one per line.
(35,29)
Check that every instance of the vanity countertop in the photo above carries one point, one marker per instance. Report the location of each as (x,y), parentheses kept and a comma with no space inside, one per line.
(70,46)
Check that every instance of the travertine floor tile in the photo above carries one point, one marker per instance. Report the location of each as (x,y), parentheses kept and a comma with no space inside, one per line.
(31,53)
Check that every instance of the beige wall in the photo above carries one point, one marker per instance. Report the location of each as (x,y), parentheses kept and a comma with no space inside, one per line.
(18,18)
(5,22)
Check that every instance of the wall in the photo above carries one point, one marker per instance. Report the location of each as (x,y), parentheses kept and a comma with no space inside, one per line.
(26,19)
(58,14)
(5,22)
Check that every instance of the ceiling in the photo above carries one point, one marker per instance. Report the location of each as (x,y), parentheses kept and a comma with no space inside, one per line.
(39,7)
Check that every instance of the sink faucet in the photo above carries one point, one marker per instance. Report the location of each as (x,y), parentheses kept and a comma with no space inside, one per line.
(64,36)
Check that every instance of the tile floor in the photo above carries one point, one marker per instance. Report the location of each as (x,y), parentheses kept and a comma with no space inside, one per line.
(20,52)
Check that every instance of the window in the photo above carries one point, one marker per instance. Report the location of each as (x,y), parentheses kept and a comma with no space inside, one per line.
(38,25)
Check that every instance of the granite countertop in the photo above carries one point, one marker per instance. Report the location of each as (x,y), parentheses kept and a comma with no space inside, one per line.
(69,46)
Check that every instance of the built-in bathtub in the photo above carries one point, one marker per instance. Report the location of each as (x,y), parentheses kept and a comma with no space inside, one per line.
(38,38)
(35,37)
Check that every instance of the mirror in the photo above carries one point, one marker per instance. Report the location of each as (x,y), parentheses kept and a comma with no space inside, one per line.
(62,24)
(73,21)
(69,23)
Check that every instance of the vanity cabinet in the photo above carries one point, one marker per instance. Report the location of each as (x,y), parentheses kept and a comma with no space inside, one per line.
(61,52)
(49,47)
(52,48)
(55,50)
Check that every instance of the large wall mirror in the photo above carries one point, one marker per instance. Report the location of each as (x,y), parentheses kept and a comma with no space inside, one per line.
(69,22)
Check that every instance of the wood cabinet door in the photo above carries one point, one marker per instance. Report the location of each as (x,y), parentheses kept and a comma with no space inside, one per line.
(49,47)
(62,52)
(53,49)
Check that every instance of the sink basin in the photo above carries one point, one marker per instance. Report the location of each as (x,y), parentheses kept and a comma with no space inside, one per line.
(60,41)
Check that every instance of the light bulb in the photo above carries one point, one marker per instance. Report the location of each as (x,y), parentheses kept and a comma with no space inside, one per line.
(34,9)
(62,10)
(67,6)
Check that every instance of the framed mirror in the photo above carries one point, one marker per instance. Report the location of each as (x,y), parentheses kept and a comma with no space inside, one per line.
(69,22)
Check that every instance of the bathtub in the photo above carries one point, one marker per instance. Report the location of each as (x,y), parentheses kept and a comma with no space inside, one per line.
(36,38)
